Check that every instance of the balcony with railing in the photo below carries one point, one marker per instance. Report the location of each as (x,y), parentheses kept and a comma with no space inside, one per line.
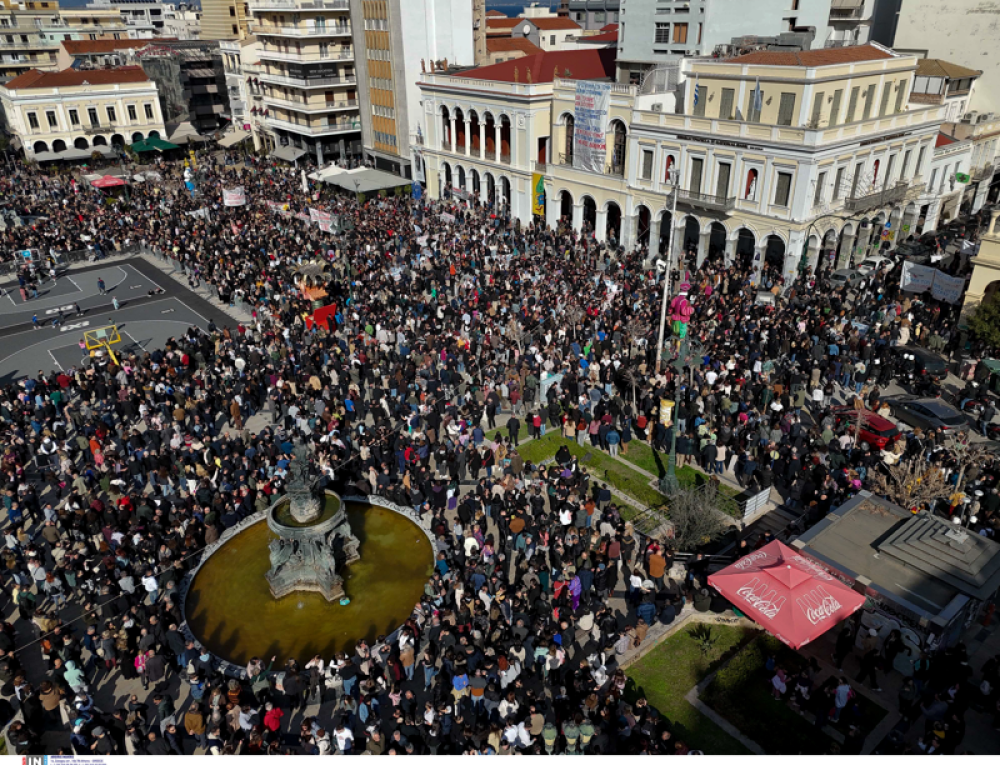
(300,5)
(305,105)
(701,201)
(306,30)
(331,127)
(312,56)
(888,196)
(983,172)
(307,82)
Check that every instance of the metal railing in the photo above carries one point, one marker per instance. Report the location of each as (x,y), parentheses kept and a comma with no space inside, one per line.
(705,201)
(882,198)
(332,30)
(301,104)
(310,82)
(344,126)
(283,55)
(302,5)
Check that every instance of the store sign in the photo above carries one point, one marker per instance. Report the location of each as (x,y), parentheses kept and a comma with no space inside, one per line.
(719,142)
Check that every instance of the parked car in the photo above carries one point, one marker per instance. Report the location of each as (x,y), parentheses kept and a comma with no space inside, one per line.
(875,429)
(875,263)
(927,413)
(916,252)
(848,276)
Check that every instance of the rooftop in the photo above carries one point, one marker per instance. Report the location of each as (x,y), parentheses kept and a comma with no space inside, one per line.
(79,47)
(855,540)
(604,37)
(544,67)
(553,23)
(509,44)
(944,139)
(69,78)
(936,67)
(811,58)
(501,22)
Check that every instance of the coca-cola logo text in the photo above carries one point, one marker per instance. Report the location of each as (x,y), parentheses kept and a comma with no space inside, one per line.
(818,604)
(762,597)
(744,562)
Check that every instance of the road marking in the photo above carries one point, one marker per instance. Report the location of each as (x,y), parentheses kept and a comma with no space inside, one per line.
(169,310)
(56,361)
(136,287)
(57,310)
(70,327)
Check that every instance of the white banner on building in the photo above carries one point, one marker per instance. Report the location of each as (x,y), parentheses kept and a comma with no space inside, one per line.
(948,288)
(234,197)
(916,278)
(590,125)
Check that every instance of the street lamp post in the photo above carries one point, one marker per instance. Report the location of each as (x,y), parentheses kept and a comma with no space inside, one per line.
(688,351)
(674,175)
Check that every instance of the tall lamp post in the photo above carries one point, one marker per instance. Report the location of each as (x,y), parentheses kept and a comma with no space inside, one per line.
(688,350)
(674,176)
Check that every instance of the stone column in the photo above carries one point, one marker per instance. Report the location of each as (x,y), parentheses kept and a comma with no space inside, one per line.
(578,217)
(451,133)
(482,139)
(654,237)
(319,153)
(730,254)
(601,226)
(468,137)
(496,142)
(552,209)
(703,240)
(629,235)
(677,241)
(846,246)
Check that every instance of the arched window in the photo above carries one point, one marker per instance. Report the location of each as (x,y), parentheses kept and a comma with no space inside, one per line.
(570,138)
(750,192)
(668,168)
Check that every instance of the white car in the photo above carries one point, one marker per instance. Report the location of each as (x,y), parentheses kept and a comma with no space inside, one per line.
(875,263)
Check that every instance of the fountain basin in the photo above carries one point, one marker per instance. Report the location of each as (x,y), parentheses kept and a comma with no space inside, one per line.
(230,609)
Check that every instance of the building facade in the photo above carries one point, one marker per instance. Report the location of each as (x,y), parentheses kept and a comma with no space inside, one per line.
(940,200)
(395,42)
(54,112)
(234,54)
(986,268)
(23,44)
(225,19)
(191,82)
(983,130)
(594,14)
(309,77)
(182,21)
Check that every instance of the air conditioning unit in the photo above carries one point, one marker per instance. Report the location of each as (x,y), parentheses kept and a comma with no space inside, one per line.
(656,108)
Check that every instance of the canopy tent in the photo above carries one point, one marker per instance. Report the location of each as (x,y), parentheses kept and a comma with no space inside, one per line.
(786,593)
(233,138)
(184,133)
(72,154)
(153,144)
(363,180)
(287,153)
(108,182)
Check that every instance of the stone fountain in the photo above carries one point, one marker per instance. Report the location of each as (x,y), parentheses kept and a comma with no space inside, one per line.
(314,536)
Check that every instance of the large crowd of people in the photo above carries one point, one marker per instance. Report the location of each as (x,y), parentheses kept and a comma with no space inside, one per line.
(447,328)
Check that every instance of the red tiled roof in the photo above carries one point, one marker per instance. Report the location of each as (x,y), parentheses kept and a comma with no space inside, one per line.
(609,27)
(496,14)
(606,37)
(820,57)
(554,23)
(502,22)
(507,44)
(598,64)
(68,78)
(944,139)
(76,47)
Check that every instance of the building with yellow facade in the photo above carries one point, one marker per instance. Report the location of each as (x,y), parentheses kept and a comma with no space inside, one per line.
(74,113)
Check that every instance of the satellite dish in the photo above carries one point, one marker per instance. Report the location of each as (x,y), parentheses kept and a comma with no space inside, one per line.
(526,29)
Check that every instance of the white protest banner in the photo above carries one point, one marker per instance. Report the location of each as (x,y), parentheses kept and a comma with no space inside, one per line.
(590,126)
(916,278)
(447,217)
(323,219)
(948,288)
(234,197)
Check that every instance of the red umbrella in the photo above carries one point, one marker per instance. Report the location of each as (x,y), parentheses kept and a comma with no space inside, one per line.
(787,594)
(107,182)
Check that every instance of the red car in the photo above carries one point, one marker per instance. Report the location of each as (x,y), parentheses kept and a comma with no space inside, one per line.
(875,429)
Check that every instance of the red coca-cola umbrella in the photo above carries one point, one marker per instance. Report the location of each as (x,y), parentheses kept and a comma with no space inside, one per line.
(787,594)
(107,182)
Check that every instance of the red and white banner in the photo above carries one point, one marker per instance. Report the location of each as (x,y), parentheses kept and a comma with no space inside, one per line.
(234,197)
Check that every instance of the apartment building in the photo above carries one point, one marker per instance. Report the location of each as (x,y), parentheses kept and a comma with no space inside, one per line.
(983,131)
(309,78)
(23,44)
(941,198)
(74,113)
(592,15)
(395,41)
(234,54)
(191,82)
(225,19)
(143,18)
(182,21)
(946,84)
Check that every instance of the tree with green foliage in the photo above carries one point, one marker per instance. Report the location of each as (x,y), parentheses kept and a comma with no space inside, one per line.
(984,323)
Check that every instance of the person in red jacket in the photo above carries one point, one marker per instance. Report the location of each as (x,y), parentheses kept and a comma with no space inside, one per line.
(272,717)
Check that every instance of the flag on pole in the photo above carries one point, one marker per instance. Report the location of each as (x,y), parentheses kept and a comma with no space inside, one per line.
(696,94)
(758,99)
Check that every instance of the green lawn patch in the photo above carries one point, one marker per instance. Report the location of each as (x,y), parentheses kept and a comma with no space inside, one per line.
(644,456)
(673,668)
(741,693)
(601,466)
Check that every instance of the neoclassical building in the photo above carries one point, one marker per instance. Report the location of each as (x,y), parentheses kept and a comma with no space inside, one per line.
(782,157)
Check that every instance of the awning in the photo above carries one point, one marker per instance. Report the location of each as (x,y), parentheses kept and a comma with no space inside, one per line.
(153,144)
(233,138)
(786,593)
(184,133)
(107,182)
(288,153)
(364,180)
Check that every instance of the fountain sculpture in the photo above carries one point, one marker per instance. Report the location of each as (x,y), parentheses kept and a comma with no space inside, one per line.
(314,537)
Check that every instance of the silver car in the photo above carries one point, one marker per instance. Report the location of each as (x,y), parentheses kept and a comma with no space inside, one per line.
(928,414)
(851,277)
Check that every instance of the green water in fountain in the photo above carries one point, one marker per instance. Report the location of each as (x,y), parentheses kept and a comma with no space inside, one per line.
(283,514)
(230,608)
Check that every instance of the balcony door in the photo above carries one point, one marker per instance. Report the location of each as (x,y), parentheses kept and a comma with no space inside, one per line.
(722,185)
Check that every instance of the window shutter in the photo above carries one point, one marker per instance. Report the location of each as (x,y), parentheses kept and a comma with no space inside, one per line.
(852,105)
(786,108)
(696,167)
(838,96)
(884,106)
(722,186)
(817,109)
(726,106)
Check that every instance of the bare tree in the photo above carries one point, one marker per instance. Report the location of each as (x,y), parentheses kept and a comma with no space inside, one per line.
(632,378)
(910,482)
(696,517)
